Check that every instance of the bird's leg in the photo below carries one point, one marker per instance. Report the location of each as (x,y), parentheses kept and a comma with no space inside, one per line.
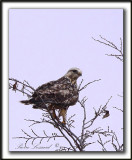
(63,114)
(54,115)
(52,111)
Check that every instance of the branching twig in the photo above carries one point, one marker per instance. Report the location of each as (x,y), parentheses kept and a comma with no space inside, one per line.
(98,113)
(35,137)
(80,89)
(112,45)
(118,109)
(82,103)
(76,143)
(102,144)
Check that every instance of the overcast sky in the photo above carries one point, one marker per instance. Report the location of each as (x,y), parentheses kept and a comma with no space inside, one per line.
(45,43)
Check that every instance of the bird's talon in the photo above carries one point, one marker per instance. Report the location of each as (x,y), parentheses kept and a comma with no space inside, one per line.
(63,123)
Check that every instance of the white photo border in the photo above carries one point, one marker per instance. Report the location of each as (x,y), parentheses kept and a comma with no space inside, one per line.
(127,75)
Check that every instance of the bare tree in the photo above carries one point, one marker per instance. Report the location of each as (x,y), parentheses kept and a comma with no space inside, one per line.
(112,45)
(76,143)
(119,57)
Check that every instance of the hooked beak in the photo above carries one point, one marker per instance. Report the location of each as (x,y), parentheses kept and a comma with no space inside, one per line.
(80,73)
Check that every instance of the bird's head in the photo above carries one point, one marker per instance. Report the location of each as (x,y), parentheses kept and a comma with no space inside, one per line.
(73,74)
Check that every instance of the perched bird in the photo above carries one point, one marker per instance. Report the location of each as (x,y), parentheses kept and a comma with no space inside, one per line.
(59,94)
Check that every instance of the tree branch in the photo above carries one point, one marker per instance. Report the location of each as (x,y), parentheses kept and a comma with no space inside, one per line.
(112,45)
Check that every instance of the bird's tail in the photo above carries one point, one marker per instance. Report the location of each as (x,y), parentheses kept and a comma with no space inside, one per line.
(26,102)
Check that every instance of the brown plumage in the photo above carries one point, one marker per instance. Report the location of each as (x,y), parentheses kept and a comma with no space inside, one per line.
(59,94)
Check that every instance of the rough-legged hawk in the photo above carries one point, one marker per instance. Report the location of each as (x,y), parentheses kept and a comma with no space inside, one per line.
(59,94)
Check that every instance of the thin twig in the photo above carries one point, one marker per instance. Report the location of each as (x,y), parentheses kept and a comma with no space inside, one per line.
(118,109)
(87,84)
(112,45)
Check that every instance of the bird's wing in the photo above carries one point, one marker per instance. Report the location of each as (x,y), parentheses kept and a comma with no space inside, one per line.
(60,92)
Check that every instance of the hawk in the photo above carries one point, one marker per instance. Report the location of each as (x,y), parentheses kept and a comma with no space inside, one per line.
(59,94)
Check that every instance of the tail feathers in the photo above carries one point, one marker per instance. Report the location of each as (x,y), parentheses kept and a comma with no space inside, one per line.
(37,104)
(26,102)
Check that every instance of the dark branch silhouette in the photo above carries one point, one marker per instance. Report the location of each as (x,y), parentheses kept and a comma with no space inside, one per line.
(112,45)
(28,137)
(75,142)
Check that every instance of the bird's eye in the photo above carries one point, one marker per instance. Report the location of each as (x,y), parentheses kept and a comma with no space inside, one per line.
(75,71)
